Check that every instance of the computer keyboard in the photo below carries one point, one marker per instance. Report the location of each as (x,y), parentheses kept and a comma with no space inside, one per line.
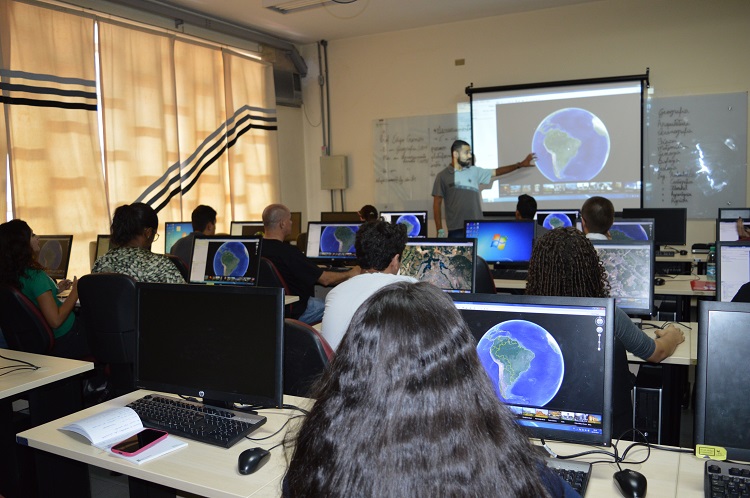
(667,254)
(509,274)
(726,479)
(196,421)
(575,473)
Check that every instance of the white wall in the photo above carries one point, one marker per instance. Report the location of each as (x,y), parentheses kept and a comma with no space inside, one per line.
(692,47)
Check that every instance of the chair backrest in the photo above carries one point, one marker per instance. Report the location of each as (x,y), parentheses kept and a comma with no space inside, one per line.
(108,310)
(181,266)
(306,356)
(484,282)
(23,325)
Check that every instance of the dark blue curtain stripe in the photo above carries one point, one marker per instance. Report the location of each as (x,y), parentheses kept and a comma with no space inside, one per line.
(11,87)
(5,73)
(47,103)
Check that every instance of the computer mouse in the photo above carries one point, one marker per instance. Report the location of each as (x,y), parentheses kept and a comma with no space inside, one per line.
(631,484)
(659,281)
(252,459)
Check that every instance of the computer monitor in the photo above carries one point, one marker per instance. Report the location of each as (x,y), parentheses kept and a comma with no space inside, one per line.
(726,230)
(340,217)
(499,214)
(449,264)
(415,221)
(734,213)
(54,254)
(225,260)
(732,268)
(331,243)
(174,231)
(721,402)
(223,344)
(506,243)
(296,226)
(550,360)
(670,224)
(556,218)
(246,228)
(632,229)
(102,245)
(630,270)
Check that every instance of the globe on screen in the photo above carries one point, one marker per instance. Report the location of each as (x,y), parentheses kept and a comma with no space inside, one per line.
(556,220)
(413,226)
(338,239)
(50,256)
(628,232)
(571,145)
(231,259)
(523,361)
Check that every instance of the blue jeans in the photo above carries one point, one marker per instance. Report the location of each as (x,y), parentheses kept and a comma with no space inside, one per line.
(314,311)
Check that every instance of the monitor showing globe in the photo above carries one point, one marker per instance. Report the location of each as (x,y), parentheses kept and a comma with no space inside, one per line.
(415,221)
(54,255)
(331,242)
(550,360)
(225,260)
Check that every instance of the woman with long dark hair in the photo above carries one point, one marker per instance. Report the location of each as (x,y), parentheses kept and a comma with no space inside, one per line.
(565,263)
(134,229)
(406,409)
(19,268)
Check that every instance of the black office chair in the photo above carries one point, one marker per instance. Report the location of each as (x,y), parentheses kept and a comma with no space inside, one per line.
(181,266)
(306,356)
(22,323)
(108,309)
(484,281)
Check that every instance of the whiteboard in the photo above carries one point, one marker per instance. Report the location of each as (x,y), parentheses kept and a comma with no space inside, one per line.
(696,153)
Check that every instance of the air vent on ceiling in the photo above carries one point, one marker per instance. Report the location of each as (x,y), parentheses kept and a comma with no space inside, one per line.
(289,6)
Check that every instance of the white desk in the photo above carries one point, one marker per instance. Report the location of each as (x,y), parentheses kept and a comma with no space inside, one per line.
(51,370)
(685,354)
(290,299)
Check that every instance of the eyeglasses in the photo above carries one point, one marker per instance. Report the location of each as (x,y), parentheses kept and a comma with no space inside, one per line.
(156,236)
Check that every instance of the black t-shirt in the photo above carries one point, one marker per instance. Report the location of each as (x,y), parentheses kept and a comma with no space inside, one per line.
(299,273)
(743,295)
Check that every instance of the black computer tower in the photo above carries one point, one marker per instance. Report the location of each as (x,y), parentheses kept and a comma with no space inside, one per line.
(656,403)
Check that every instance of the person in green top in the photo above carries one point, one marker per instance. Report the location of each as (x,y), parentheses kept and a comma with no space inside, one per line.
(19,268)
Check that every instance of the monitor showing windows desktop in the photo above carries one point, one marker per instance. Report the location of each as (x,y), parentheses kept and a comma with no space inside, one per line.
(225,260)
(415,221)
(504,243)
(721,401)
(732,268)
(670,224)
(556,218)
(550,360)
(331,243)
(54,255)
(630,270)
(632,229)
(449,264)
(246,228)
(174,231)
(340,217)
(231,351)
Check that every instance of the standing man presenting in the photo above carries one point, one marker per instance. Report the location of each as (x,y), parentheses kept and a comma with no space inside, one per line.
(459,185)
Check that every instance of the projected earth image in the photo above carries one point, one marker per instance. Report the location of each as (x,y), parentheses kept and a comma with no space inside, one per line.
(523,361)
(628,232)
(413,226)
(50,255)
(231,260)
(571,145)
(338,239)
(556,220)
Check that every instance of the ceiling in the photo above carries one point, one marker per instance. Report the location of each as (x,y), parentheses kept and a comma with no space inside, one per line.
(361,17)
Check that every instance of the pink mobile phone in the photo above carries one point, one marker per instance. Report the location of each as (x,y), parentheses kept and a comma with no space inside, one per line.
(139,442)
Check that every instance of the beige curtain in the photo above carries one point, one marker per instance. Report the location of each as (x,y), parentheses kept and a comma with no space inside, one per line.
(49,90)
(253,161)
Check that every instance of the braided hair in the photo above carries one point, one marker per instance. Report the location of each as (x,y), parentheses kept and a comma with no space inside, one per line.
(565,263)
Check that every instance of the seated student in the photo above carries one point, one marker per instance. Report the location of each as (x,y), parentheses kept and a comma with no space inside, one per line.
(379,248)
(299,273)
(368,213)
(525,207)
(565,263)
(406,409)
(132,233)
(597,217)
(204,224)
(19,268)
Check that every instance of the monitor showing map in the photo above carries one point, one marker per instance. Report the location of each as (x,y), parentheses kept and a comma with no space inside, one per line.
(504,243)
(415,221)
(446,263)
(632,229)
(331,242)
(551,219)
(550,360)
(630,270)
(225,260)
(54,255)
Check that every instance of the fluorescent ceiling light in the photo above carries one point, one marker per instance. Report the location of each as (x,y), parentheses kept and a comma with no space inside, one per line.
(289,6)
